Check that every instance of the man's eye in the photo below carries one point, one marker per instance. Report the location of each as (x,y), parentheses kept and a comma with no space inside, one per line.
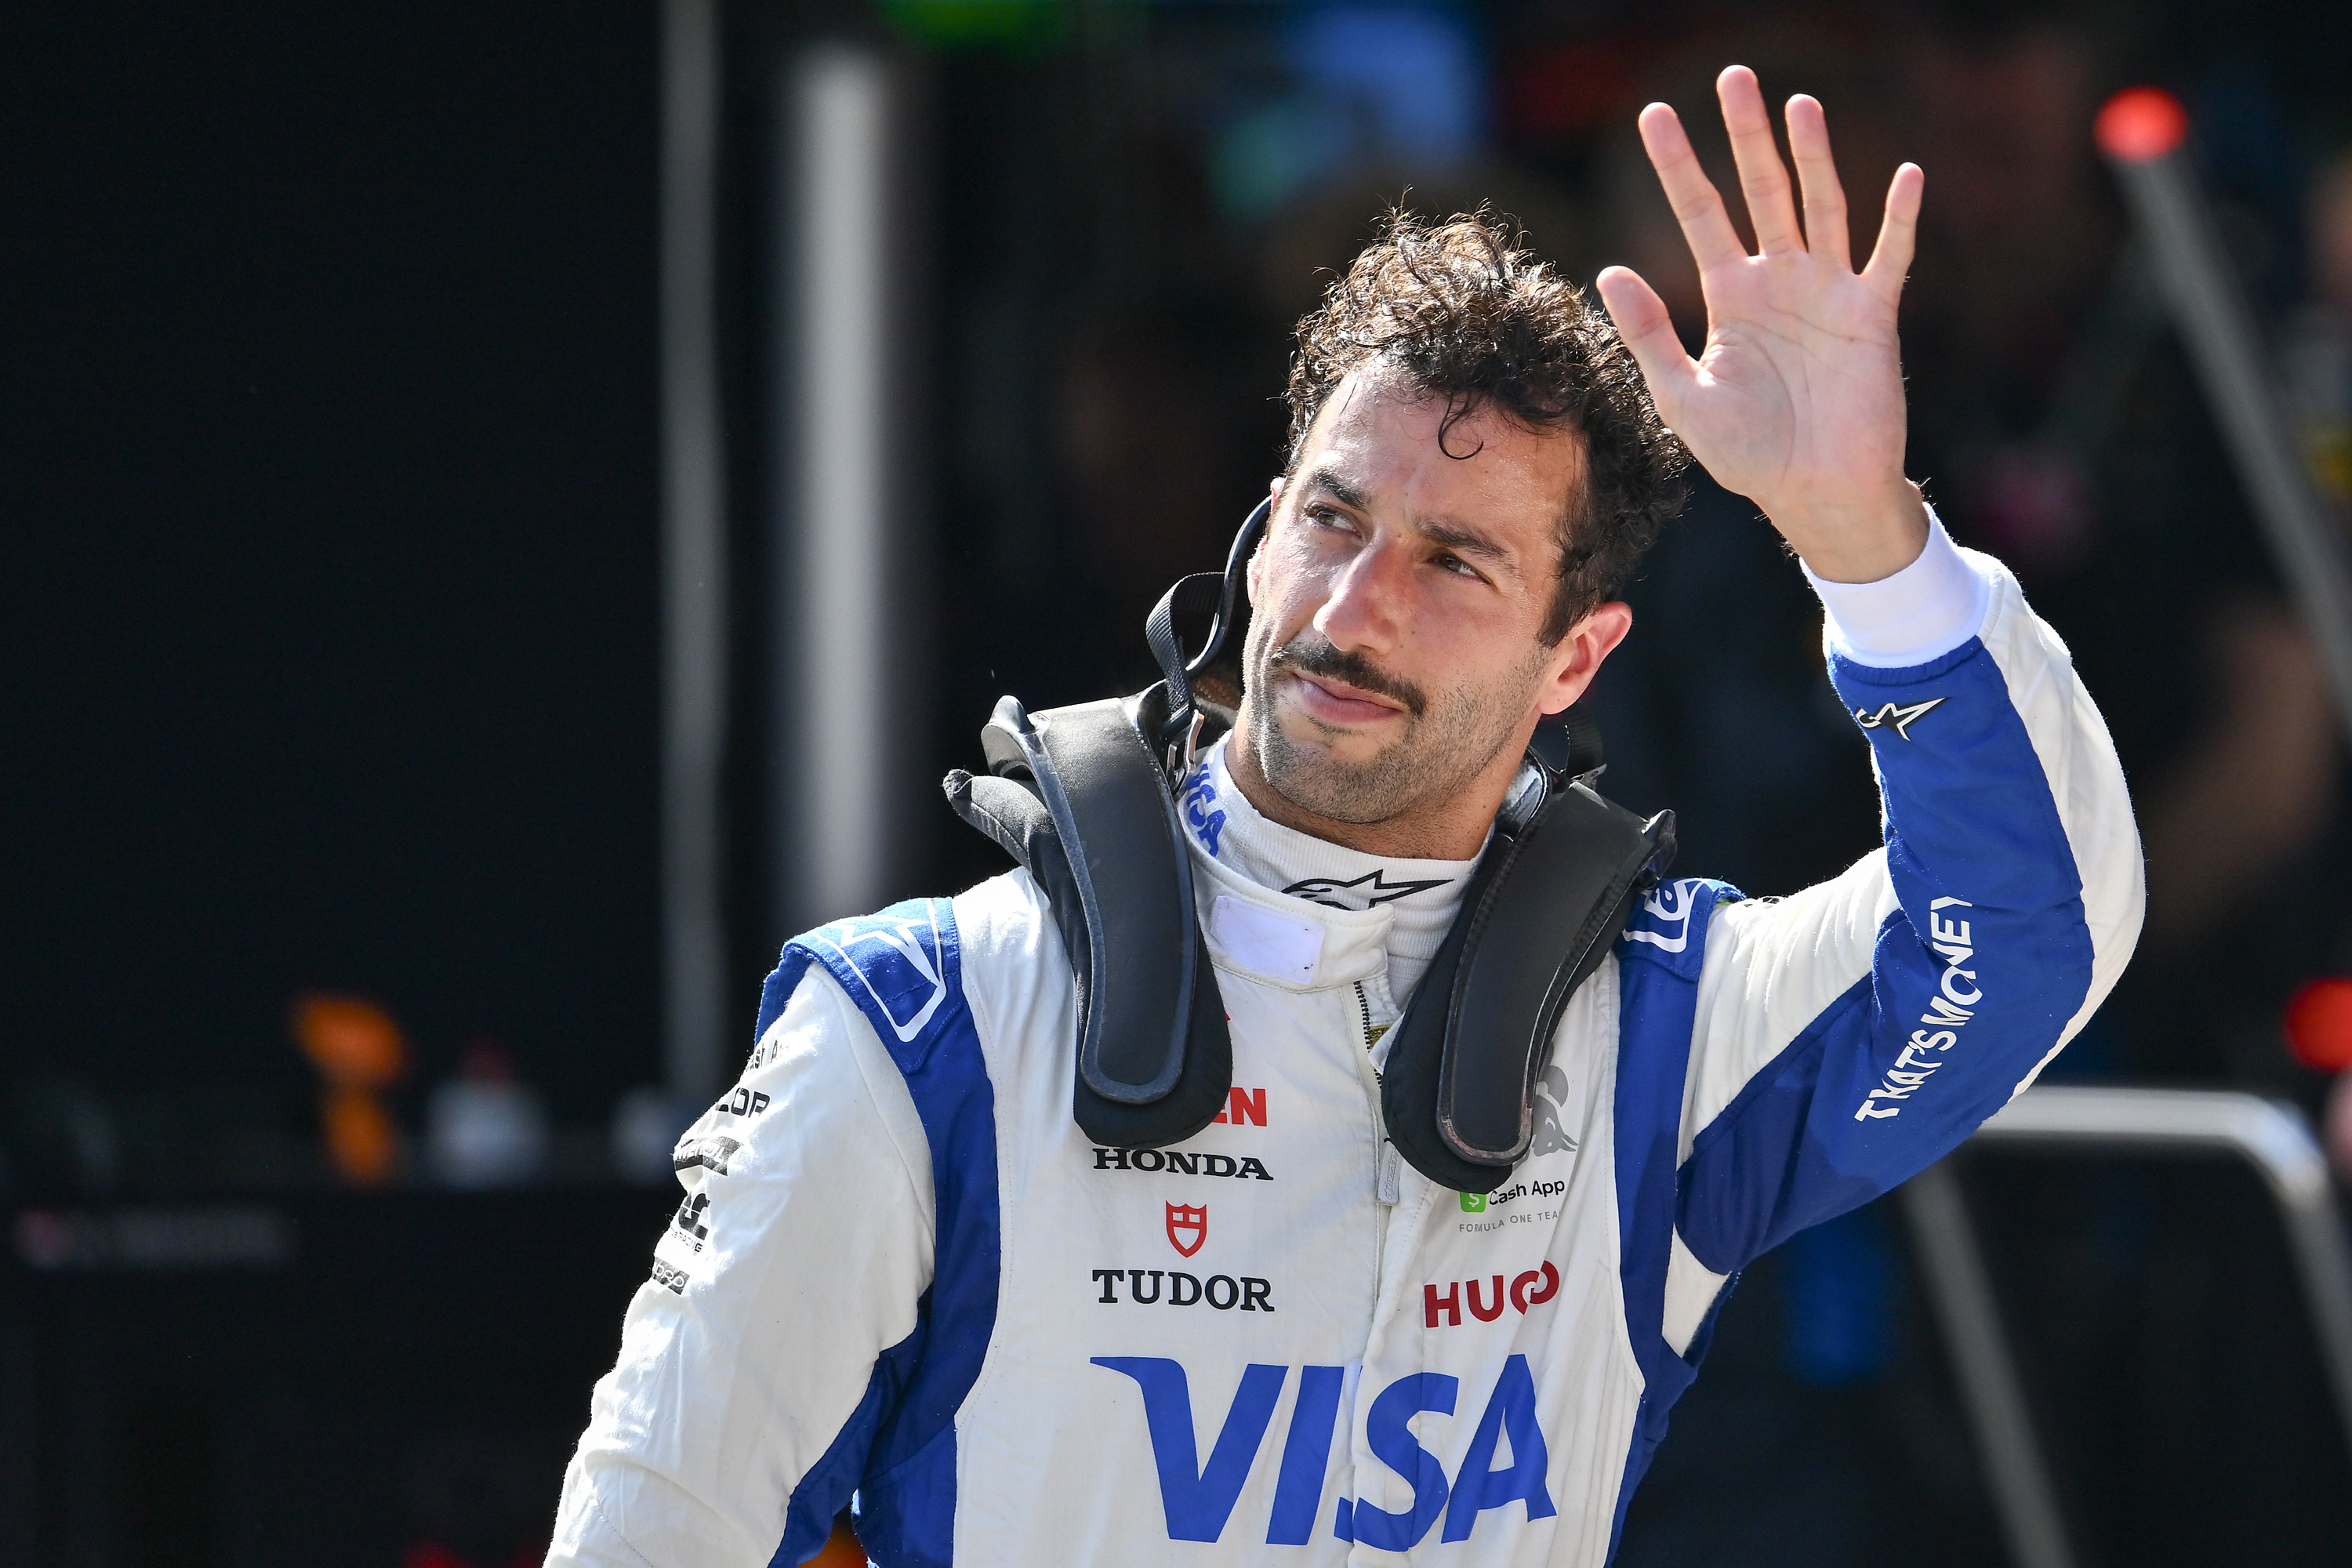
(1454,564)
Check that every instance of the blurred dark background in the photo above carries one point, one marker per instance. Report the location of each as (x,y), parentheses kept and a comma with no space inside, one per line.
(340,1050)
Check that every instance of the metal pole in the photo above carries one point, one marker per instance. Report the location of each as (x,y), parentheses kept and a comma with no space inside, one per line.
(2272,1138)
(840,648)
(2142,131)
(1990,1386)
(694,556)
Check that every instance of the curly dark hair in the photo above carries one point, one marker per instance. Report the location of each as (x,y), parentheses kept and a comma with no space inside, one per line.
(1461,312)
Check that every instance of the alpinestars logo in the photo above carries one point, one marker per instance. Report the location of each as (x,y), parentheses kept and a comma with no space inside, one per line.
(1188,1220)
(1363,892)
(1902,715)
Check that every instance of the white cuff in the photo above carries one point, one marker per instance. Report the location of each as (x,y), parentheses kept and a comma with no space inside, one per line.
(1923,612)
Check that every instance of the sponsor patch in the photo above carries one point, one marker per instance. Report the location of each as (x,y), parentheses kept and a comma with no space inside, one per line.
(1197,1498)
(1486,1299)
(1181,1162)
(1900,715)
(1361,892)
(742,1102)
(709,1153)
(1188,1221)
(1551,1103)
(1244,1108)
(1949,1009)
(1201,813)
(689,1219)
(1144,1287)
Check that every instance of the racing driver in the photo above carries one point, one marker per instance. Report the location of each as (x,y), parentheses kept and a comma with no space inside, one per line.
(902,1273)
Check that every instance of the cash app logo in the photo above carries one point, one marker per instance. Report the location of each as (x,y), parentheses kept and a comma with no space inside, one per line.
(1473,1203)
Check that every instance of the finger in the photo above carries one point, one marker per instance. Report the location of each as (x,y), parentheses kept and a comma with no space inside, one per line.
(1698,207)
(1647,330)
(1825,220)
(1763,178)
(1898,233)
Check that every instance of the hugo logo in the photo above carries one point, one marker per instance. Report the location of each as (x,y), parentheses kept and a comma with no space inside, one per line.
(1532,1288)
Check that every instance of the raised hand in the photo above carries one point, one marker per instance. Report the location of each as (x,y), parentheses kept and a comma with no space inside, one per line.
(1796,402)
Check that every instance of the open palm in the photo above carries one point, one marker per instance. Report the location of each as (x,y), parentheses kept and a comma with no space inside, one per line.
(1796,401)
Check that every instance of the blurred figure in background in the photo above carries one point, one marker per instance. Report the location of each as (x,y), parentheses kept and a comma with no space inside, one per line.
(2057,424)
(2063,426)
(2318,348)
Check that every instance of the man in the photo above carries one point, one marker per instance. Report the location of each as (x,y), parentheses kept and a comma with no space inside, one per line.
(903,1273)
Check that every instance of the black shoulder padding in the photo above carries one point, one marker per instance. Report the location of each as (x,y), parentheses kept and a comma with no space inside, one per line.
(1549,897)
(1083,800)
(1014,816)
(1154,1060)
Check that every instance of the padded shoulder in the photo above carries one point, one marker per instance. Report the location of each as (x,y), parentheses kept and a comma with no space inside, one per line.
(1083,806)
(901,967)
(1458,1091)
(1668,923)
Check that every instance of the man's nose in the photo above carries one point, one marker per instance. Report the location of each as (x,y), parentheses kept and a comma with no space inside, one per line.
(1364,612)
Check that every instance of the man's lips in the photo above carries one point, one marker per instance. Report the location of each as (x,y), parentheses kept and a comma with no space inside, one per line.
(1335,702)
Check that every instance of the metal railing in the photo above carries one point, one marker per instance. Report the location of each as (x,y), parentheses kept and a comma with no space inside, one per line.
(2272,1138)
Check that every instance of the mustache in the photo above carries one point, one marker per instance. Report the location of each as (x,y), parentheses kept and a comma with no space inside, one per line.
(1312,653)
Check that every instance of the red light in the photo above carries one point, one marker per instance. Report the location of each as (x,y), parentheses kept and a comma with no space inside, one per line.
(2140,125)
(2319,1025)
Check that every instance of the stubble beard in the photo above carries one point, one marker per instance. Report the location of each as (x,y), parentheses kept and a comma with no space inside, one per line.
(1449,738)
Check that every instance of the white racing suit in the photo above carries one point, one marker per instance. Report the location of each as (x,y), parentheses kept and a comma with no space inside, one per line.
(902,1272)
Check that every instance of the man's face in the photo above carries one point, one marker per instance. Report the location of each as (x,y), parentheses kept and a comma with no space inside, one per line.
(1397,603)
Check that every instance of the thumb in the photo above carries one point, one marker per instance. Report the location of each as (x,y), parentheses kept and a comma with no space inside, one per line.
(1648,331)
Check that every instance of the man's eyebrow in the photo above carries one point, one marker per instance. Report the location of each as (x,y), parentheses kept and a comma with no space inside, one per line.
(1341,490)
(1454,536)
(1464,541)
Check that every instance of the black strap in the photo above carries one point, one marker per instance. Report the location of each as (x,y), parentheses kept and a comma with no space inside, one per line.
(1567,744)
(1154,1060)
(1191,595)
(1547,899)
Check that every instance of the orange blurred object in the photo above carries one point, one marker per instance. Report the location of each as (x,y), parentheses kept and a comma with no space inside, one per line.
(2319,1025)
(2141,124)
(360,1137)
(354,1042)
(359,1050)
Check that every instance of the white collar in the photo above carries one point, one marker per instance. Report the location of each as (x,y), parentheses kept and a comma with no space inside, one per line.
(1418,897)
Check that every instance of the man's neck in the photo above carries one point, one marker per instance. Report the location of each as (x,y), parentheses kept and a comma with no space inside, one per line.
(1453,829)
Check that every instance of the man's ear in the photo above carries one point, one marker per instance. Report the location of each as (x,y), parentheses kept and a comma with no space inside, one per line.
(1578,658)
(1257,553)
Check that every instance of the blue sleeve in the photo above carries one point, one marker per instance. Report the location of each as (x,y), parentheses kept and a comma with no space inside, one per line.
(1848,1036)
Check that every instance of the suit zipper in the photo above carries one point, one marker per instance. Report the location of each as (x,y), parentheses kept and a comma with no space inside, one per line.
(1390,1178)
